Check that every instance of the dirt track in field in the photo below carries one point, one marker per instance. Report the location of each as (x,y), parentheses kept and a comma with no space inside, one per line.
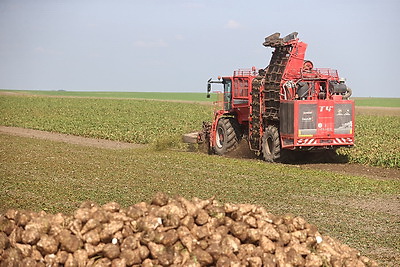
(67,138)
(344,168)
(242,152)
(380,111)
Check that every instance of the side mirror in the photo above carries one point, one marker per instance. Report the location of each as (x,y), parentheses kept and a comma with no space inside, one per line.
(208,88)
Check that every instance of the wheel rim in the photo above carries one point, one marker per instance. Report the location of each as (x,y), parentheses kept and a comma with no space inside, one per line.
(220,137)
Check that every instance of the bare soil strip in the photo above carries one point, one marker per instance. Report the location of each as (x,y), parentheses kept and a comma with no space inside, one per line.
(380,173)
(356,169)
(378,111)
(71,139)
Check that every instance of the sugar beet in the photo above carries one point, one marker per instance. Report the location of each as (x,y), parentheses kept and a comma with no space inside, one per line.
(168,231)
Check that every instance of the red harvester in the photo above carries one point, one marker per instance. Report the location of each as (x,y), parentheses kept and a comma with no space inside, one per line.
(288,106)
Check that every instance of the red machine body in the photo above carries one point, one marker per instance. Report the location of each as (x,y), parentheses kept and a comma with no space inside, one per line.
(289,105)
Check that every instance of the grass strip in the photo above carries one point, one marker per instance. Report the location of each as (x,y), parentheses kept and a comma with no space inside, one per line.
(377,102)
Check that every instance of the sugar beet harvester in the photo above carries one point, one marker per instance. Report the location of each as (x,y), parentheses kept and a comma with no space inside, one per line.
(288,106)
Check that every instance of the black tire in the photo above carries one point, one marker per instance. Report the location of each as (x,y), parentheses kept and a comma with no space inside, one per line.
(271,146)
(227,136)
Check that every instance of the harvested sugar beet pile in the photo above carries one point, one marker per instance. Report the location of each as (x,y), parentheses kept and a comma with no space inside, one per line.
(168,231)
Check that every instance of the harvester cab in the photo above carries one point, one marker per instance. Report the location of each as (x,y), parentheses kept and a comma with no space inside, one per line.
(287,106)
(227,91)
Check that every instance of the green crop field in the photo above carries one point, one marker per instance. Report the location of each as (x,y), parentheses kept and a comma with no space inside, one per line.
(163,123)
(377,141)
(377,102)
(57,177)
(135,121)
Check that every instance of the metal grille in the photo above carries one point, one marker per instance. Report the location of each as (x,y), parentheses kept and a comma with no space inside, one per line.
(286,114)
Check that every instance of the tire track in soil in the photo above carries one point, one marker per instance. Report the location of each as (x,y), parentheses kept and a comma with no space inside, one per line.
(380,173)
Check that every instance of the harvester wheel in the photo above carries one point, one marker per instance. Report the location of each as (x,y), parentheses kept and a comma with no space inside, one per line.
(271,145)
(227,136)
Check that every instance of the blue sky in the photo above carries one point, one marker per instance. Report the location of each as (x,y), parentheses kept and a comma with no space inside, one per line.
(176,45)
